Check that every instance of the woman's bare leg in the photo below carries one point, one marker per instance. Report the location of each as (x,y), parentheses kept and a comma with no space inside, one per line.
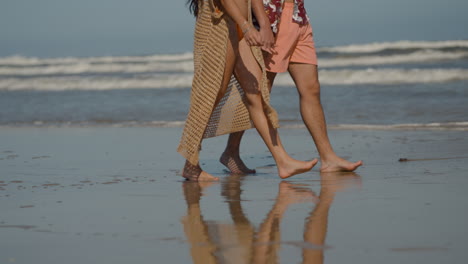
(195,172)
(248,73)
(231,155)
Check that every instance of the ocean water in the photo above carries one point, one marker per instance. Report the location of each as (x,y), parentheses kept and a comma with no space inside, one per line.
(387,85)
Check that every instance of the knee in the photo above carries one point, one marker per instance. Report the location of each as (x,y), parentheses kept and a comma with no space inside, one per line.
(311,91)
(253,99)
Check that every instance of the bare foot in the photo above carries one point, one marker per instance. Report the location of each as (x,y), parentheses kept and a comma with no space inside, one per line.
(339,164)
(235,164)
(293,167)
(195,173)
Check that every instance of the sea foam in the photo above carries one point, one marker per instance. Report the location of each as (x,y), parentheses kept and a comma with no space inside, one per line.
(384,76)
(348,65)
(397,45)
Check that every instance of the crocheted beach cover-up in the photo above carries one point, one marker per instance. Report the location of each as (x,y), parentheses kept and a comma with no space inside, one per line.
(230,115)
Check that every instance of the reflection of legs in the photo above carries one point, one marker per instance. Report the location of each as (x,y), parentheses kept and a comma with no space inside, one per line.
(267,243)
(195,172)
(305,77)
(248,73)
(232,193)
(315,230)
(244,229)
(202,248)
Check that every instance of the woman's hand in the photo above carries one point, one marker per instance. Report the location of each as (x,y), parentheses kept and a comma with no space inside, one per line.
(267,39)
(252,36)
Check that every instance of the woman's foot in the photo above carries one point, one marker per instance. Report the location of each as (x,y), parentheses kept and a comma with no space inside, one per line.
(234,164)
(195,173)
(338,164)
(293,167)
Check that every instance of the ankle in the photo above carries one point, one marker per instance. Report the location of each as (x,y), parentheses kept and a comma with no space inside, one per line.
(231,151)
(329,157)
(282,161)
(191,169)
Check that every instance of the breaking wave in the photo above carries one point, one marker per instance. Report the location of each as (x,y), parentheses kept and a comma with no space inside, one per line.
(397,45)
(183,80)
(343,65)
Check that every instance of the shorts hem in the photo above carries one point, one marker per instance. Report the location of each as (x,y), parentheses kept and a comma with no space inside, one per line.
(276,70)
(303,62)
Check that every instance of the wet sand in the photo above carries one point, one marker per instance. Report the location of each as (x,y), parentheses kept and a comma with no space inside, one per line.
(114,195)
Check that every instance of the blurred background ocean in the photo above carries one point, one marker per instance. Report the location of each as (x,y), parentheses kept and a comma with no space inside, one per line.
(113,62)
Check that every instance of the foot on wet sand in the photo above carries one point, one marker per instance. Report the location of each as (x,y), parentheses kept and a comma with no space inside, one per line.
(294,167)
(195,173)
(339,164)
(235,164)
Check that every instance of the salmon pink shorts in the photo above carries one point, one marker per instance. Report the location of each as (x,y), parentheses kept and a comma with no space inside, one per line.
(294,43)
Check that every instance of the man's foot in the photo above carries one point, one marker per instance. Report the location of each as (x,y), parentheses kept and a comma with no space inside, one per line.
(195,173)
(339,164)
(293,167)
(235,164)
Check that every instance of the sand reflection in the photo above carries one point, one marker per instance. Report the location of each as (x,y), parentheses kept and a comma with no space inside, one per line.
(243,242)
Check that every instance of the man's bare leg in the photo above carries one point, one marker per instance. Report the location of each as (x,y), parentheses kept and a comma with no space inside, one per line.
(305,77)
(248,74)
(231,155)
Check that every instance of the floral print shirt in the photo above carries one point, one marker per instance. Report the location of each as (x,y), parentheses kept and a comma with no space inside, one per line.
(273,9)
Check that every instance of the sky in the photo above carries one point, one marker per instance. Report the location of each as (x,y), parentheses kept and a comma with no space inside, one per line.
(61,28)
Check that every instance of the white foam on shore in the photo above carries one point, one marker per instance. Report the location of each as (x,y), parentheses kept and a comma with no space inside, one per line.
(383,76)
(421,52)
(96,83)
(457,126)
(151,124)
(88,67)
(452,126)
(45,124)
(414,57)
(184,80)
(401,45)
(19,60)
